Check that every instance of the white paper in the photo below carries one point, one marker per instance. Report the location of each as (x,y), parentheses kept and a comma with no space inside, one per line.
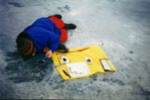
(78,69)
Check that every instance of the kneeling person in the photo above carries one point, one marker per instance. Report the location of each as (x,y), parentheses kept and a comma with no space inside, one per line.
(45,35)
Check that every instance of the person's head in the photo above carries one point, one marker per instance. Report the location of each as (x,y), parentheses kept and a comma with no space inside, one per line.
(25,46)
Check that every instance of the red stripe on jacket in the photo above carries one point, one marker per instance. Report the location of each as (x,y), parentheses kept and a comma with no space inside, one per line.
(60,24)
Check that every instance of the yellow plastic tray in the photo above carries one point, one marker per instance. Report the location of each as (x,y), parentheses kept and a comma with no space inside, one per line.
(82,62)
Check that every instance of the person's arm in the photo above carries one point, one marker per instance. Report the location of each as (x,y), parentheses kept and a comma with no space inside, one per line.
(51,47)
(49,50)
(61,48)
(54,45)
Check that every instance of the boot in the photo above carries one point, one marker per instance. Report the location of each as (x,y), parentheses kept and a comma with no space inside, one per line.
(70,26)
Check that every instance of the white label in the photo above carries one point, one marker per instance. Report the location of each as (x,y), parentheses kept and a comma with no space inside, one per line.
(78,69)
(105,65)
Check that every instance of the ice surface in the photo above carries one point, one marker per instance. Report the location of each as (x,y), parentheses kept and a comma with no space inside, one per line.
(121,27)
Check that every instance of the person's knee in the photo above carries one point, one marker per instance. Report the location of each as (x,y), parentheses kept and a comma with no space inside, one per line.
(56,15)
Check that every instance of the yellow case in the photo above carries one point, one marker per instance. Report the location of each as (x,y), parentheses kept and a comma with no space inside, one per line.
(88,58)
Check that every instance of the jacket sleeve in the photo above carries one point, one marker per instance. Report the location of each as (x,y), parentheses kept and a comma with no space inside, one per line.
(53,46)
(53,42)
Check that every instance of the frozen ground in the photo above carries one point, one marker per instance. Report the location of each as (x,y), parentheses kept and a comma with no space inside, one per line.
(120,26)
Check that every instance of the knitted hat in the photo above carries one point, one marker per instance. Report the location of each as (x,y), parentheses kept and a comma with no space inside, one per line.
(25,46)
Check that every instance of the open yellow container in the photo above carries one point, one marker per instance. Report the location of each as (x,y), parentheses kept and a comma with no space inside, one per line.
(82,62)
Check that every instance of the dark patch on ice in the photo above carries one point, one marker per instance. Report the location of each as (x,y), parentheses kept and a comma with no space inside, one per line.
(50,83)
(58,86)
(6,91)
(62,81)
(139,90)
(117,81)
(55,87)
(15,4)
(98,91)
(67,7)
(61,9)
(112,1)
(138,10)
(94,77)
(128,76)
(56,82)
(26,71)
(6,43)
(131,52)
(71,90)
(128,58)
(64,9)
(139,77)
(145,65)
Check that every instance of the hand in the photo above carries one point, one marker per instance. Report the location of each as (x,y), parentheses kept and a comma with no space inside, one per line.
(49,54)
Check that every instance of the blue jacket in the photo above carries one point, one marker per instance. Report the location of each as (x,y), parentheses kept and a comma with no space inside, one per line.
(44,33)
